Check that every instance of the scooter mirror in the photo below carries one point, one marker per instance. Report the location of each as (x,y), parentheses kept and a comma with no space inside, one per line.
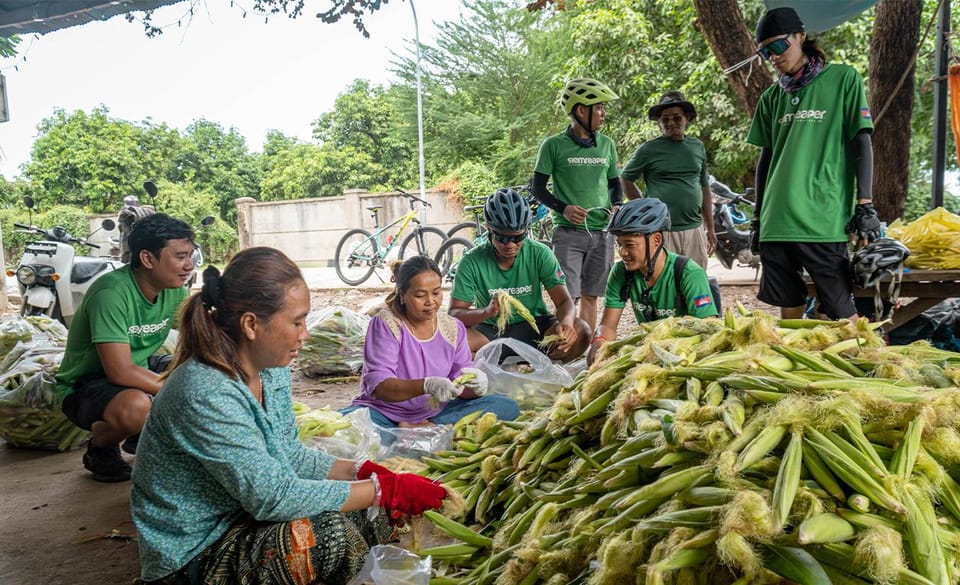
(150,188)
(28,201)
(208,220)
(108,225)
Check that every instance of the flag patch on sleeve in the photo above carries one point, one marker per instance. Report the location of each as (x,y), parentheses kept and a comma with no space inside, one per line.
(865,113)
(702,301)
(559,274)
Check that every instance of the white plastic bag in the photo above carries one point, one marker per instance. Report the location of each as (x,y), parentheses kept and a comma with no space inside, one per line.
(414,442)
(359,441)
(390,565)
(530,377)
(335,342)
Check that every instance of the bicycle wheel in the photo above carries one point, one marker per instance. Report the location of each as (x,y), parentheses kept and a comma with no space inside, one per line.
(449,255)
(431,240)
(466,229)
(356,256)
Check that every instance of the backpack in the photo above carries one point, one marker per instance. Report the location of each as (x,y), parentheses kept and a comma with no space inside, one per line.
(678,265)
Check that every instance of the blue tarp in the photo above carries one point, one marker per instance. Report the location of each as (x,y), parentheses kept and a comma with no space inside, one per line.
(821,15)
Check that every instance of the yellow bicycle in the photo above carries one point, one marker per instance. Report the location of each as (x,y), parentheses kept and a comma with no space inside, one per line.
(360,251)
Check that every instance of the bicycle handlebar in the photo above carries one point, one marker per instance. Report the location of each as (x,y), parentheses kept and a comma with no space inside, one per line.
(413,197)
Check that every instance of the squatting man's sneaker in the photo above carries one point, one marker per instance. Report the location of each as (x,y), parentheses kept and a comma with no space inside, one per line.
(129,445)
(106,464)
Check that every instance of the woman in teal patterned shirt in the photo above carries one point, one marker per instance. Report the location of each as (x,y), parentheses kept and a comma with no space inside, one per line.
(223,492)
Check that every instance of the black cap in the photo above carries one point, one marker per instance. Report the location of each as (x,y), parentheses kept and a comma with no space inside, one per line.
(672,99)
(779,21)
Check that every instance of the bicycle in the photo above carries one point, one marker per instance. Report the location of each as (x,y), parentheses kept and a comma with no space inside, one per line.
(361,251)
(450,252)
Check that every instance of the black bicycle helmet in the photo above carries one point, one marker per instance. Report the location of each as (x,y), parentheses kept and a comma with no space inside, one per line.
(874,261)
(648,215)
(507,210)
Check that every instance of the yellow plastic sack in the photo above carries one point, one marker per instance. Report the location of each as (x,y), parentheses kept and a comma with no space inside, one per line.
(933,239)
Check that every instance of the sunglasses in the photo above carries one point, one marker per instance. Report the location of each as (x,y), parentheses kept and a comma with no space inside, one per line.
(777,47)
(505,239)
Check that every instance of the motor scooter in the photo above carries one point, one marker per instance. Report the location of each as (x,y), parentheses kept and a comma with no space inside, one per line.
(733,242)
(51,277)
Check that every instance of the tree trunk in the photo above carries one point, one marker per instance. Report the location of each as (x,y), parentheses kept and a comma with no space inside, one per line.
(721,22)
(896,31)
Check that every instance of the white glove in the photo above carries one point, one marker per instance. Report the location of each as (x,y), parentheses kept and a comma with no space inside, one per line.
(442,389)
(479,384)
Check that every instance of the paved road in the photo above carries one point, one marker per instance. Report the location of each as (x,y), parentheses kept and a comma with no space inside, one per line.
(327,277)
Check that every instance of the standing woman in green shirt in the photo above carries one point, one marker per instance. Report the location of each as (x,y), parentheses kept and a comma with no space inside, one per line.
(815,172)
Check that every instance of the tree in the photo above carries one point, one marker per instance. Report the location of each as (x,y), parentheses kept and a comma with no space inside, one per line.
(308,170)
(896,32)
(87,160)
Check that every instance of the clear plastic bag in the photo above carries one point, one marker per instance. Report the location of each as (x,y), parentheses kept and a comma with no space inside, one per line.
(334,345)
(530,377)
(391,565)
(414,442)
(361,440)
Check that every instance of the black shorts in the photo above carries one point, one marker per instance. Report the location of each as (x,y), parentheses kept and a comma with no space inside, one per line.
(828,265)
(90,397)
(521,331)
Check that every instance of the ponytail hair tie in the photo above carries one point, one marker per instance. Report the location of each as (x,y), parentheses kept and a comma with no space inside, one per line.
(210,293)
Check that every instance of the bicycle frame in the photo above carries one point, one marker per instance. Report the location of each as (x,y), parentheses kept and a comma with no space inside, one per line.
(404,221)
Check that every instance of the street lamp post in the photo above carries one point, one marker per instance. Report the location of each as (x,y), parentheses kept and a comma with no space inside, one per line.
(416,32)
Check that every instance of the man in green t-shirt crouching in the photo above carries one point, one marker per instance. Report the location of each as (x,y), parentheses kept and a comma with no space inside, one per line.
(109,375)
(523,268)
(645,273)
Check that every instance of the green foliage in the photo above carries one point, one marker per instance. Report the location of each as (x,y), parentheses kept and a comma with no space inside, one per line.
(8,46)
(471,181)
(918,202)
(217,241)
(307,170)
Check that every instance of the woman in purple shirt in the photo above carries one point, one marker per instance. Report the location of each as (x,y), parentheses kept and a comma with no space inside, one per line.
(413,352)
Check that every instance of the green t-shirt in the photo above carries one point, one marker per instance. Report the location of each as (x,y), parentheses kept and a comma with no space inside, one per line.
(811,186)
(114,310)
(676,173)
(663,293)
(580,175)
(479,277)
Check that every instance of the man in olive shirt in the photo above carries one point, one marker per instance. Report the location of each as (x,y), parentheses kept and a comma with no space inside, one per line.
(108,375)
(674,169)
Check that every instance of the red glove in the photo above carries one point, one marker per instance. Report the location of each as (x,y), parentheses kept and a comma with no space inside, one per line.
(409,493)
(369,467)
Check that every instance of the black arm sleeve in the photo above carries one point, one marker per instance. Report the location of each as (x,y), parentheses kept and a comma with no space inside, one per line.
(863,150)
(543,195)
(763,168)
(615,188)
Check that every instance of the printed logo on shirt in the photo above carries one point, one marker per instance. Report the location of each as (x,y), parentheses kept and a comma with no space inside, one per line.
(802,116)
(865,113)
(514,291)
(559,274)
(587,161)
(148,329)
(703,301)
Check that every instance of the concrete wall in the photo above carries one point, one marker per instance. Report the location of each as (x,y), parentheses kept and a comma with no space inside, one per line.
(308,230)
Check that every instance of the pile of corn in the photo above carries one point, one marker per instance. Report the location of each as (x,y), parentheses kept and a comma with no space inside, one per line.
(734,450)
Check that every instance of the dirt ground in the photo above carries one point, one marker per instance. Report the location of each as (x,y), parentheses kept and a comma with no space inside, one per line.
(59,526)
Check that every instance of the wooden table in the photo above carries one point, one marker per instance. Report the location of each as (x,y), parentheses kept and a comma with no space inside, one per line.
(919,290)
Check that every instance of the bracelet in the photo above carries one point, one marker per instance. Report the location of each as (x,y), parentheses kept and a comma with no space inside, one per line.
(356,467)
(597,338)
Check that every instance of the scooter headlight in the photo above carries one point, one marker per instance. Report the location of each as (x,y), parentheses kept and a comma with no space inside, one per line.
(26,275)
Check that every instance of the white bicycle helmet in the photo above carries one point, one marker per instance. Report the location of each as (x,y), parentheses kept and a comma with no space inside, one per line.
(870,264)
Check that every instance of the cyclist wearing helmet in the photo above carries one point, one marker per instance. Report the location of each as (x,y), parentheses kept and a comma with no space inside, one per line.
(814,173)
(639,227)
(586,187)
(523,268)
(673,167)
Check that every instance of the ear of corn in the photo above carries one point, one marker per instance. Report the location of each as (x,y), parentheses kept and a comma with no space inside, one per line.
(510,304)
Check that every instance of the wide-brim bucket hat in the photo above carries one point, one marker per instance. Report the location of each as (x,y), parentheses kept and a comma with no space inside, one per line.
(669,100)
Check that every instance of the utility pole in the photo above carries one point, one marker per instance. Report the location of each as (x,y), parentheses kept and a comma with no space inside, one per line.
(423,181)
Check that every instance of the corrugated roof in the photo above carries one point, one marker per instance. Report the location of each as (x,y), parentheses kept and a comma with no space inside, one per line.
(18,17)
